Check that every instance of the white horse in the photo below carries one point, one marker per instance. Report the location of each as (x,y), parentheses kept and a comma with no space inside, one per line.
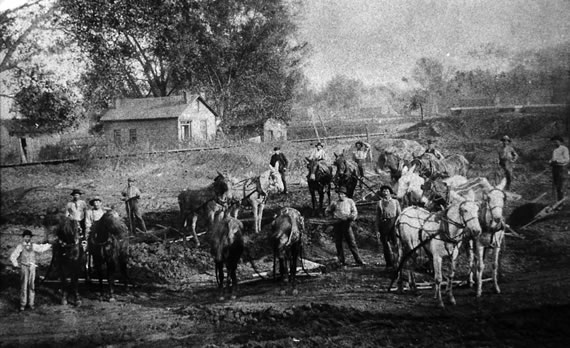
(491,204)
(255,191)
(409,188)
(440,233)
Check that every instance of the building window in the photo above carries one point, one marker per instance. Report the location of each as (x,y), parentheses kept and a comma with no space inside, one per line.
(117,137)
(132,136)
(186,132)
(204,129)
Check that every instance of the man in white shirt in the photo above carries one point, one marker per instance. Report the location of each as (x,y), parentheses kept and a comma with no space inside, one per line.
(76,209)
(360,155)
(318,153)
(559,163)
(131,196)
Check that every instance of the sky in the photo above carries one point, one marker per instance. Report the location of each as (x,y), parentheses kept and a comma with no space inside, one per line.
(379,41)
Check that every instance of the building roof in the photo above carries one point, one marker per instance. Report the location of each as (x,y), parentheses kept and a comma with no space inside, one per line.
(151,108)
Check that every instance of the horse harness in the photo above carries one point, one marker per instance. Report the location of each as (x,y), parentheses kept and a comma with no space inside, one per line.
(486,207)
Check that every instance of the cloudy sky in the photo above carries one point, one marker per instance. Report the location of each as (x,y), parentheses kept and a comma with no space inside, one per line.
(378,41)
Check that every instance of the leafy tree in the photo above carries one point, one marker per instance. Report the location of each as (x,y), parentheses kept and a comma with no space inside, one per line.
(47,106)
(429,73)
(417,102)
(342,92)
(242,53)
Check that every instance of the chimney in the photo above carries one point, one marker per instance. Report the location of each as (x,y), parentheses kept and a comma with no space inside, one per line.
(117,103)
(185,97)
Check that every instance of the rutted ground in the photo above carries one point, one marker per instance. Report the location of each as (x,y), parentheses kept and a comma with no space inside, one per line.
(175,305)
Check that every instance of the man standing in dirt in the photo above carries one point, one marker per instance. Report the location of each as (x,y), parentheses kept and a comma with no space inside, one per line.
(344,211)
(507,158)
(559,163)
(279,162)
(387,211)
(24,257)
(131,195)
(76,209)
(360,155)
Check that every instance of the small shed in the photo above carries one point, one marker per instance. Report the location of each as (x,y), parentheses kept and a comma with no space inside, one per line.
(274,130)
(160,123)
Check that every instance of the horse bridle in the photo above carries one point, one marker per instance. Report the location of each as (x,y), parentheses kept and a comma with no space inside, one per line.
(488,201)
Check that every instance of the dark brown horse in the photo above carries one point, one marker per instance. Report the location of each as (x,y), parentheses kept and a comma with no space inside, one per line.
(319,180)
(69,257)
(428,166)
(346,174)
(109,247)
(393,163)
(209,201)
(227,247)
(286,240)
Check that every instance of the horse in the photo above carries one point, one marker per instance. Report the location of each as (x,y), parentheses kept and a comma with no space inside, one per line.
(394,163)
(319,180)
(286,241)
(346,174)
(109,247)
(210,201)
(429,166)
(440,234)
(227,246)
(255,191)
(69,257)
(409,188)
(491,204)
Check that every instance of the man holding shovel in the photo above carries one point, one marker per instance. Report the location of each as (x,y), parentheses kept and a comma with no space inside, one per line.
(131,196)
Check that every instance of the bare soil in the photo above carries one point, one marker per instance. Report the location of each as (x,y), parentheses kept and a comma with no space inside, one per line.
(174,302)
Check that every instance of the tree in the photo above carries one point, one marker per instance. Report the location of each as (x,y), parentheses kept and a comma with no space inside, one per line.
(241,52)
(342,92)
(429,73)
(417,101)
(47,106)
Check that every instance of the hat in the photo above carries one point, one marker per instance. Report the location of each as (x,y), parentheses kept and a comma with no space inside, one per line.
(341,189)
(386,187)
(276,148)
(27,233)
(319,144)
(430,141)
(506,138)
(76,191)
(96,198)
(557,137)
(359,143)
(131,179)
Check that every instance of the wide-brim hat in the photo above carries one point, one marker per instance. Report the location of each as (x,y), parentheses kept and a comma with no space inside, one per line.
(76,191)
(319,144)
(506,138)
(383,187)
(96,198)
(131,180)
(276,148)
(557,137)
(359,143)
(430,141)
(27,233)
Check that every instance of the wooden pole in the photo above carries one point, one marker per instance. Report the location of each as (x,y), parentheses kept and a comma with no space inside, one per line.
(312,114)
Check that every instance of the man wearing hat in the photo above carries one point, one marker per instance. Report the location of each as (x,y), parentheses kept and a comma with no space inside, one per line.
(76,209)
(24,257)
(432,150)
(318,153)
(94,214)
(344,211)
(559,163)
(279,162)
(507,158)
(360,155)
(387,211)
(131,196)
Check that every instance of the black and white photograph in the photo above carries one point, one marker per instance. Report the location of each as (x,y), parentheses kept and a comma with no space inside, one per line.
(284,173)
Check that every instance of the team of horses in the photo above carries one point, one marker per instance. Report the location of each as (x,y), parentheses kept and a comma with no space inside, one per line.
(443,210)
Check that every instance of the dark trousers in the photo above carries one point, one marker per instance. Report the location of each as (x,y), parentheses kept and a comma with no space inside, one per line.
(360,164)
(508,170)
(386,236)
(559,177)
(343,232)
(284,182)
(135,215)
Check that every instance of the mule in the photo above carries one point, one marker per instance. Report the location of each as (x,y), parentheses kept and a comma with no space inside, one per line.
(429,166)
(491,202)
(227,246)
(440,234)
(346,174)
(255,191)
(395,164)
(286,241)
(210,201)
(109,247)
(409,188)
(69,258)
(319,181)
